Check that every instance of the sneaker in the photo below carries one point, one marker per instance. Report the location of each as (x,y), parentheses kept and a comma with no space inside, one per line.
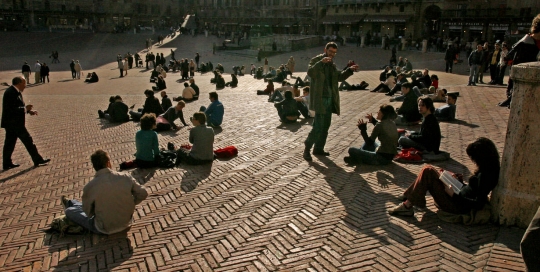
(401,210)
(65,202)
(402,198)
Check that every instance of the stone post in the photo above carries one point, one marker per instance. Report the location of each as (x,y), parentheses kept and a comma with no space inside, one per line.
(403,44)
(424,46)
(517,196)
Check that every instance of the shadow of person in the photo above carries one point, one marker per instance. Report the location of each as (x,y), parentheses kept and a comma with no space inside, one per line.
(198,173)
(364,203)
(143,175)
(16,174)
(293,127)
(86,256)
(464,123)
(105,124)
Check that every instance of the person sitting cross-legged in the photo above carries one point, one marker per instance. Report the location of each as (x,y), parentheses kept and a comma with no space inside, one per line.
(287,109)
(187,94)
(303,104)
(160,84)
(448,111)
(202,139)
(472,196)
(108,200)
(146,142)
(278,94)
(151,105)
(117,111)
(166,121)
(233,82)
(386,131)
(428,139)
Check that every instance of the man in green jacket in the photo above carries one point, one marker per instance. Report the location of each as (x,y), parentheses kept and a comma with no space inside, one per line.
(324,97)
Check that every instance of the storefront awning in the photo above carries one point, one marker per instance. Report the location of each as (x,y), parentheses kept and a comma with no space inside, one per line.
(386,18)
(342,19)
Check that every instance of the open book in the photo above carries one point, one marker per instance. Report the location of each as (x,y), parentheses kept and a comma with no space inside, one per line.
(447,178)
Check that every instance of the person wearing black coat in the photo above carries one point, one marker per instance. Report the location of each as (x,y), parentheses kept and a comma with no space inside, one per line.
(151,105)
(525,50)
(429,137)
(449,58)
(14,112)
(44,70)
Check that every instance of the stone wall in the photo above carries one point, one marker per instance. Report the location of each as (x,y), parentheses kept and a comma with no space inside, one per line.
(517,196)
(285,43)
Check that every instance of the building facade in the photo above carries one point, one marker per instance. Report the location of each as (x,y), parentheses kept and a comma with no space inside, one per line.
(98,15)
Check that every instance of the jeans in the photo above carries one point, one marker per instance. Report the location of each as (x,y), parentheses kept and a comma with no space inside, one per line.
(318,134)
(277,96)
(406,142)
(473,74)
(76,214)
(136,116)
(366,154)
(500,78)
(449,65)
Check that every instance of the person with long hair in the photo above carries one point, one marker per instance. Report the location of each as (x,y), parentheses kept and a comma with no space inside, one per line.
(372,152)
(472,196)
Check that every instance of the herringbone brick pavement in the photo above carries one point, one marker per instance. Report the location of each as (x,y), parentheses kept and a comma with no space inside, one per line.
(265,210)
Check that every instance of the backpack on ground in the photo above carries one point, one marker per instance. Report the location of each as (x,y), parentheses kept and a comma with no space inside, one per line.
(63,225)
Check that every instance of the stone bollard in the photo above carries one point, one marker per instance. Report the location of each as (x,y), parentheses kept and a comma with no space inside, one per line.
(363,42)
(517,196)
(424,46)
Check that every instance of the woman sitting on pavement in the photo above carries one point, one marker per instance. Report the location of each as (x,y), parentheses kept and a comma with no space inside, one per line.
(386,131)
(146,141)
(472,196)
(269,89)
(233,82)
(160,84)
(91,77)
(165,121)
(151,105)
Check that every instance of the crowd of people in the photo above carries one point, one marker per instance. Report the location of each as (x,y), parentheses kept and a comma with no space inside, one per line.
(320,99)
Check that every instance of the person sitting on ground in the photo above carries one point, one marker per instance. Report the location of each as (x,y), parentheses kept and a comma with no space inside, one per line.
(351,87)
(214,112)
(233,82)
(269,89)
(387,85)
(302,103)
(472,196)
(386,131)
(165,100)
(187,93)
(259,73)
(428,139)
(195,88)
(425,80)
(408,66)
(287,109)
(401,62)
(165,121)
(101,113)
(349,64)
(401,78)
(108,200)
(155,73)
(117,111)
(203,68)
(216,76)
(384,74)
(408,112)
(92,77)
(271,74)
(448,111)
(201,138)
(151,105)
(435,81)
(302,83)
(253,69)
(146,142)
(242,70)
(279,93)
(160,84)
(438,95)
(220,68)
(220,82)
(280,76)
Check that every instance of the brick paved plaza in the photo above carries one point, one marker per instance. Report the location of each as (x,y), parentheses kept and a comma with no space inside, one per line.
(266,209)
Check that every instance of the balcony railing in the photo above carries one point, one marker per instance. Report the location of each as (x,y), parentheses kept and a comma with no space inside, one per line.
(478,13)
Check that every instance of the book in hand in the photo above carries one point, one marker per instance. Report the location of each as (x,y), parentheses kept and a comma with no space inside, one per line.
(447,178)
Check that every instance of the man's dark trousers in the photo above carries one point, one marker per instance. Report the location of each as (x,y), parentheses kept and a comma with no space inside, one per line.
(531,243)
(321,124)
(11,139)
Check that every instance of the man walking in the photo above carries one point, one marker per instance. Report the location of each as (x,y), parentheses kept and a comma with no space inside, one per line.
(26,71)
(475,61)
(324,97)
(13,121)
(108,200)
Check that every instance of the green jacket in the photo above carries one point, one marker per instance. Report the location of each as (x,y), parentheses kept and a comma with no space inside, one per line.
(316,72)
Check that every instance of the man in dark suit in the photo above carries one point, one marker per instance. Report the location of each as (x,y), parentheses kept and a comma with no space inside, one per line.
(13,121)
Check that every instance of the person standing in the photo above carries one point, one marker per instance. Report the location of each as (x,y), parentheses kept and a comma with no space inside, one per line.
(197,58)
(37,72)
(290,64)
(475,61)
(72,67)
(14,112)
(26,71)
(126,66)
(130,60)
(78,69)
(324,97)
(501,67)
(44,72)
(120,67)
(449,58)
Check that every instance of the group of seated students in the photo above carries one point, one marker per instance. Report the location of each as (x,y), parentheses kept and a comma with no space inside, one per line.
(117,111)
(482,152)
(206,67)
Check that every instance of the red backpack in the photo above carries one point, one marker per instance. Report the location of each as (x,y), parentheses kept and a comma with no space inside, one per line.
(226,152)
